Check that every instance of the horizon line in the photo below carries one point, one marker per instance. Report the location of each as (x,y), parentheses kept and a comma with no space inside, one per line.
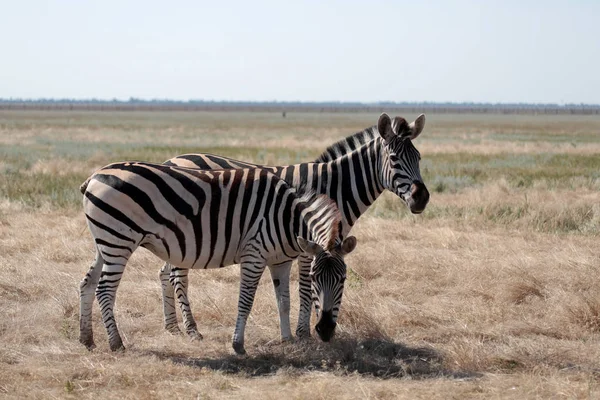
(136,100)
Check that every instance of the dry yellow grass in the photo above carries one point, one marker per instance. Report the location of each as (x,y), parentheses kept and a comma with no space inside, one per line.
(493,294)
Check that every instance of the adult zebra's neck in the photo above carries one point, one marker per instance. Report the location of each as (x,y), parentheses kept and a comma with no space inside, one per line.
(347,145)
(356,181)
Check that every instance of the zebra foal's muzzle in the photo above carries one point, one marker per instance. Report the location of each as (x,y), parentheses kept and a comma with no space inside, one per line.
(419,197)
(325,327)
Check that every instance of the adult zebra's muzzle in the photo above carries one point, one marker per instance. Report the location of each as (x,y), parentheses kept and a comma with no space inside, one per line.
(326,326)
(419,197)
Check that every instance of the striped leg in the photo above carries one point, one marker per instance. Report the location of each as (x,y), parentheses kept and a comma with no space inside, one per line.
(168,296)
(106,293)
(280,275)
(87,287)
(303,328)
(179,280)
(250,272)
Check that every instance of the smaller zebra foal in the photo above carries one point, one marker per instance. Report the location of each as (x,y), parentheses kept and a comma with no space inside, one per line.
(208,219)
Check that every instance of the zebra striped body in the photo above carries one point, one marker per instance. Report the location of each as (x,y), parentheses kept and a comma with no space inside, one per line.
(353,172)
(200,219)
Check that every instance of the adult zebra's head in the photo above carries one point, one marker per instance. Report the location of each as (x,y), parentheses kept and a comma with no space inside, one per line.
(328,274)
(400,160)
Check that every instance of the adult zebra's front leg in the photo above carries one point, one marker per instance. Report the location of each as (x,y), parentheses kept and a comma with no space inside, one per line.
(280,275)
(168,297)
(250,272)
(304,264)
(179,281)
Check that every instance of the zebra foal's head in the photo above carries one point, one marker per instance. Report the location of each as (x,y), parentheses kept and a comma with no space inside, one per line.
(327,275)
(400,171)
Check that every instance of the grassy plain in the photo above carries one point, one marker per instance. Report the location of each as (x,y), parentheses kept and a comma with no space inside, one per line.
(493,292)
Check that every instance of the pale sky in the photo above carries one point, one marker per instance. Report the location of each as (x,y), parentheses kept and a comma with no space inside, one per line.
(366,51)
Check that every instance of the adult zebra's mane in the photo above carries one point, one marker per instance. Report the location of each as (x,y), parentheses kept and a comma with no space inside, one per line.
(347,145)
(327,226)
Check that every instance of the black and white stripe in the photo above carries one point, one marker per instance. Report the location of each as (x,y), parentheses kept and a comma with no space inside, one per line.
(204,219)
(353,172)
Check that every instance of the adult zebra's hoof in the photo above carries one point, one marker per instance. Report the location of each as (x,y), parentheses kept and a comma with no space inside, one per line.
(288,340)
(239,348)
(195,335)
(89,346)
(88,342)
(117,345)
(303,335)
(118,349)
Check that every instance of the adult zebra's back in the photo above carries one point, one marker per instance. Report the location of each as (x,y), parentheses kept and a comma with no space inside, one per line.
(207,219)
(353,172)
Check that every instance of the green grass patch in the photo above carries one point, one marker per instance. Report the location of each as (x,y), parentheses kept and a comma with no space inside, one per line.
(37,189)
(583,218)
(18,183)
(454,171)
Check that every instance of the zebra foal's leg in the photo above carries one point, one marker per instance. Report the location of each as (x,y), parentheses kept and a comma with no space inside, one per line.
(106,293)
(280,275)
(87,287)
(168,296)
(179,280)
(303,328)
(250,273)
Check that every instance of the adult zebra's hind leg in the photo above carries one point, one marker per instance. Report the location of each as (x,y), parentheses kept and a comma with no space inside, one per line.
(303,328)
(179,280)
(280,275)
(168,297)
(87,287)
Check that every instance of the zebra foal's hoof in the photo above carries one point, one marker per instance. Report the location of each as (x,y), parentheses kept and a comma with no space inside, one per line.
(239,348)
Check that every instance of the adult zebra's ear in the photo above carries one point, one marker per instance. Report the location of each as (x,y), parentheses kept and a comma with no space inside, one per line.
(416,127)
(309,247)
(384,126)
(348,245)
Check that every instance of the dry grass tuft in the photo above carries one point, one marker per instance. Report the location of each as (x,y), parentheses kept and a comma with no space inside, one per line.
(586,312)
(359,320)
(520,292)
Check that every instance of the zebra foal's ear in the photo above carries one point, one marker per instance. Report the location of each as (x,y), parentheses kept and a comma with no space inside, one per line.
(309,247)
(348,245)
(416,127)
(384,126)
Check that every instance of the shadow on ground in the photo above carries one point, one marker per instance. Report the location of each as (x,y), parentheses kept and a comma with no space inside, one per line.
(373,357)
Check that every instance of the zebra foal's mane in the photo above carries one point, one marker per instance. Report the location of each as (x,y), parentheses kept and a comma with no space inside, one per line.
(330,214)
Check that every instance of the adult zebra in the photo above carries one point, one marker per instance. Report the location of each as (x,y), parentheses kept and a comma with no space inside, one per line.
(208,219)
(353,172)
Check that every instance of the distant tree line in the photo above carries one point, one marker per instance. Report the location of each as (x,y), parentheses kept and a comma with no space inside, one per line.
(135,104)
